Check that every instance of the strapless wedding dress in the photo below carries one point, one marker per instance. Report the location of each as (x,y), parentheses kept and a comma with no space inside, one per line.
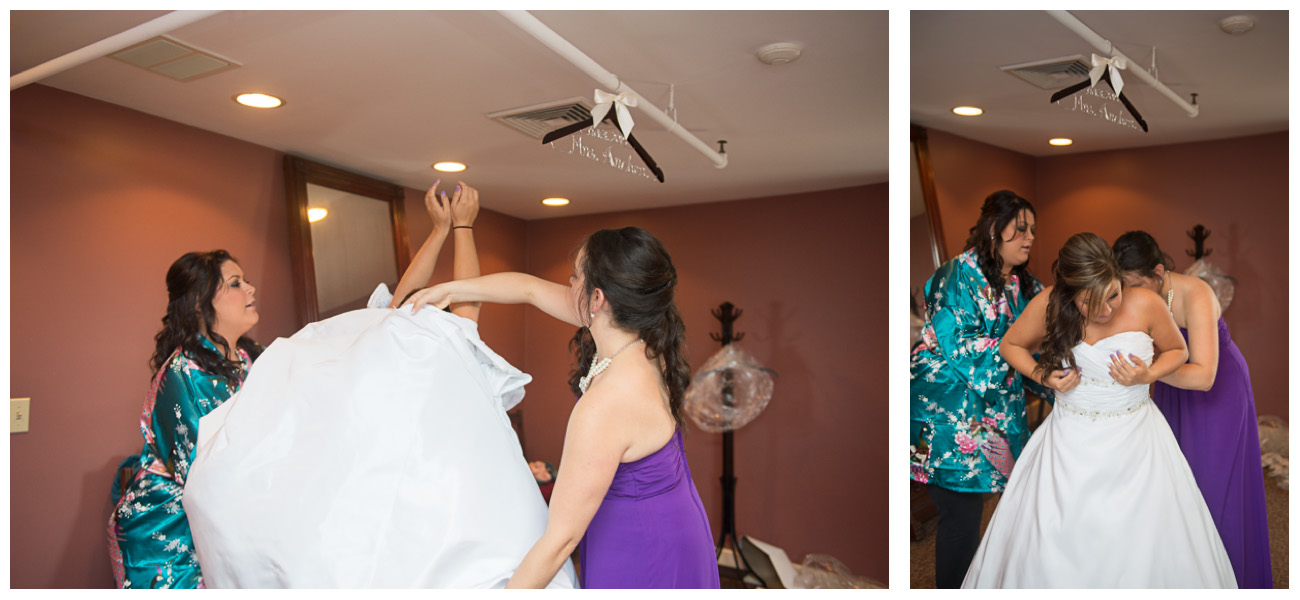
(1102,497)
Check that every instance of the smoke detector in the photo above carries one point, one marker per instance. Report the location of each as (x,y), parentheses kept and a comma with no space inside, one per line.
(1237,25)
(779,53)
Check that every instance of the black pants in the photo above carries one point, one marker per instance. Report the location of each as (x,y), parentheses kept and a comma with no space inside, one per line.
(959,533)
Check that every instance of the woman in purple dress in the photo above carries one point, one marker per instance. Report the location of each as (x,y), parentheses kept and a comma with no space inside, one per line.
(1210,408)
(624,495)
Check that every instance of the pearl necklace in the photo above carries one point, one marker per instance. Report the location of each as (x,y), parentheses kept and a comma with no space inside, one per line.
(1169,303)
(599,367)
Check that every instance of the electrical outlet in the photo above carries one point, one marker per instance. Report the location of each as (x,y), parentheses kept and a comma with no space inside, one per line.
(20,414)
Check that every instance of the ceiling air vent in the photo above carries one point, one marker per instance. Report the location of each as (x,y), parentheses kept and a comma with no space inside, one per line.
(540,119)
(168,56)
(1052,74)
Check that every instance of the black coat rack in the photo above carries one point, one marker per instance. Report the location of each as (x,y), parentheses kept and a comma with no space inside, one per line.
(727,313)
(1198,235)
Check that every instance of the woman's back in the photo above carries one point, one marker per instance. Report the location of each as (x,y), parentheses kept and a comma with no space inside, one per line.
(651,530)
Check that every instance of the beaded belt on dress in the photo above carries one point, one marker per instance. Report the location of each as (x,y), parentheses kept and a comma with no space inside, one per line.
(1061,404)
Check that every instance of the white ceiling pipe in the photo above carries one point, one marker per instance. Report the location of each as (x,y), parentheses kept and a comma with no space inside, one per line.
(135,35)
(1104,46)
(605,79)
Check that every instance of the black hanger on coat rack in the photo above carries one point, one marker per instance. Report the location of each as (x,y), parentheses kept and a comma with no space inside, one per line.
(1105,76)
(568,130)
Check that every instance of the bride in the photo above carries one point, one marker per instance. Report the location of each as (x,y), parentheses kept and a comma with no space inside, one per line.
(372,449)
(1101,495)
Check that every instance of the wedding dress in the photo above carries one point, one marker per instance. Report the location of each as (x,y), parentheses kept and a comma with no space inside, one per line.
(1102,497)
(371,449)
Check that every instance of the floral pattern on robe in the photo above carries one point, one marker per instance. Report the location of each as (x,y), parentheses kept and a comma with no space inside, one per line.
(148,535)
(968,420)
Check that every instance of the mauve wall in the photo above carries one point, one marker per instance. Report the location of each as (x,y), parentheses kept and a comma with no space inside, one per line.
(103,199)
(806,270)
(1236,187)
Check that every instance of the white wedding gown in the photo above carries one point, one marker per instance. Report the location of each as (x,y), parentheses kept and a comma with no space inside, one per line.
(368,450)
(1102,497)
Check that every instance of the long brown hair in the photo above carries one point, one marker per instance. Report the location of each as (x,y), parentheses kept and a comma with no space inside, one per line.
(633,269)
(1084,265)
(1000,209)
(192,283)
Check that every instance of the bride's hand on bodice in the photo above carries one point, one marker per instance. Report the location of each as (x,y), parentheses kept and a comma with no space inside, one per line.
(1062,380)
(1129,370)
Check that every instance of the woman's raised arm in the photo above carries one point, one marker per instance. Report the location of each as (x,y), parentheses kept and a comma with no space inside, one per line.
(421,268)
(502,288)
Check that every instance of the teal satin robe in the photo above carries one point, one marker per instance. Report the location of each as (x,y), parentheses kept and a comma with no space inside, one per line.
(968,404)
(149,537)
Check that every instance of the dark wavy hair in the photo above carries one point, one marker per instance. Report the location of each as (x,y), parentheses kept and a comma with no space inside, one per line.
(1000,208)
(1138,252)
(192,283)
(633,269)
(1085,265)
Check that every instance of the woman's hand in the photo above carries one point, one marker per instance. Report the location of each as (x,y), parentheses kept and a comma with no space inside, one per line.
(440,208)
(1062,380)
(437,296)
(1129,371)
(464,205)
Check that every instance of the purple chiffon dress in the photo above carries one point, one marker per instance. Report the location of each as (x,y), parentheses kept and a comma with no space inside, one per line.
(651,530)
(1219,434)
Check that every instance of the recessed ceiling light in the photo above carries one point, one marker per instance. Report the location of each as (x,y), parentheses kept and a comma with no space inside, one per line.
(1060,141)
(259,100)
(450,167)
(968,111)
(316,214)
(555,201)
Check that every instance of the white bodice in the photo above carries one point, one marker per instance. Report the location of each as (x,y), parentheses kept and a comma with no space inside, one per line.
(1098,394)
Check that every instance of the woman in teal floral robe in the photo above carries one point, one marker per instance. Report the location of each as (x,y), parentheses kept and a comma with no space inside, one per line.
(149,537)
(968,406)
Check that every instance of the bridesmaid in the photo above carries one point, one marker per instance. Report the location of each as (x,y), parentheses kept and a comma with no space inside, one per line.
(1210,408)
(624,489)
(968,407)
(201,356)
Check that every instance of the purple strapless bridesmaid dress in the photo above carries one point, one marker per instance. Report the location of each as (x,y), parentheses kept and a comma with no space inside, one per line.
(651,530)
(1218,432)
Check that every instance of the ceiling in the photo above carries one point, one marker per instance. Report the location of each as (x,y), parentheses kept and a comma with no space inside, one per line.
(1240,80)
(388,93)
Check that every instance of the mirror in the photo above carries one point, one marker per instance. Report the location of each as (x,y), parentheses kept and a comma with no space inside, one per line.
(927,251)
(358,241)
(927,254)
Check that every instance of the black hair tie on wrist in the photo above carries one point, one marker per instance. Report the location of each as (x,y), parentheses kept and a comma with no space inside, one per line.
(463,227)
